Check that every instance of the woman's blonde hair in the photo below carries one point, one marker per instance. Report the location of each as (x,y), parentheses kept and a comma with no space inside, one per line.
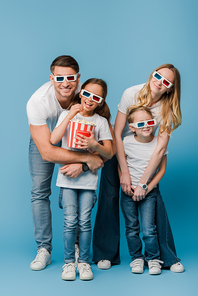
(170,101)
(103,110)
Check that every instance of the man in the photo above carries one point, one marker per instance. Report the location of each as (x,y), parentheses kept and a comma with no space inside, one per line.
(43,110)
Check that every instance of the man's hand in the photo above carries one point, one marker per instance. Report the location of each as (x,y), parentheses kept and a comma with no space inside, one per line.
(94,162)
(139,193)
(72,170)
(125,183)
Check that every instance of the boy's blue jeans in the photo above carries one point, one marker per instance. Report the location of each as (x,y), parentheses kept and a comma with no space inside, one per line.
(131,210)
(77,206)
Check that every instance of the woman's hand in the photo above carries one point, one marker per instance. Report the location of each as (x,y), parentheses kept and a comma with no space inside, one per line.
(72,170)
(86,142)
(125,183)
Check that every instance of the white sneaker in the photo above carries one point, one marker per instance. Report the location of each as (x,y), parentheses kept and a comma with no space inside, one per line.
(85,272)
(69,272)
(76,252)
(154,266)
(104,264)
(43,258)
(137,266)
(177,267)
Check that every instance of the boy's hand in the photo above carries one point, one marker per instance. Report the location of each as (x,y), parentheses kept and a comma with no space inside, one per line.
(139,193)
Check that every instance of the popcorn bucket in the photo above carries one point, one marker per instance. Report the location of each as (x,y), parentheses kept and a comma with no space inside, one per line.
(81,127)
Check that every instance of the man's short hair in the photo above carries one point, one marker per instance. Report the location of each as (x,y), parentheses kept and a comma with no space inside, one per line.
(65,61)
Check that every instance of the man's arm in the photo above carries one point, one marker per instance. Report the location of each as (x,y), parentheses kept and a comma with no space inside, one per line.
(41,137)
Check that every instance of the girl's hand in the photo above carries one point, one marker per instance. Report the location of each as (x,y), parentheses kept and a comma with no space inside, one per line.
(74,110)
(86,142)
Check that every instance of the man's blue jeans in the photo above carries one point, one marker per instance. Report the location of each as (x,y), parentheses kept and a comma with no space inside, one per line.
(41,173)
(106,234)
(77,206)
(131,210)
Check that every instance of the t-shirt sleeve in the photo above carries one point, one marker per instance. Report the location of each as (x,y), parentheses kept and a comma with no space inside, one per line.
(36,113)
(104,131)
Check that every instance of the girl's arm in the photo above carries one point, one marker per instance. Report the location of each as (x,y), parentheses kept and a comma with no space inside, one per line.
(159,175)
(104,150)
(59,131)
(125,180)
(154,162)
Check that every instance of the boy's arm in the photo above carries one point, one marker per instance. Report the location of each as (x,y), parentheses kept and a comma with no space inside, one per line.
(159,175)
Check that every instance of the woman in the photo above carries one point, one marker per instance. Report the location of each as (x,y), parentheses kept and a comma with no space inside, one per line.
(162,95)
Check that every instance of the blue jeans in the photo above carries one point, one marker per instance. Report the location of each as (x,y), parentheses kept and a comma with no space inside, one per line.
(131,210)
(41,173)
(77,206)
(106,244)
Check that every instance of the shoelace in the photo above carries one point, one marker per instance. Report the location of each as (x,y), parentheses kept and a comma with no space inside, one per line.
(136,262)
(84,267)
(155,263)
(40,256)
(69,267)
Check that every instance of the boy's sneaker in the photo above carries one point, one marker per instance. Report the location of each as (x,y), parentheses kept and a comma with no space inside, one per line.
(154,266)
(177,267)
(76,252)
(137,266)
(69,272)
(85,272)
(104,264)
(43,258)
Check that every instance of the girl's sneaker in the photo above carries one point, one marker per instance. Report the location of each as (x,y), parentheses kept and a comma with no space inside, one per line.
(85,272)
(69,272)
(154,266)
(137,266)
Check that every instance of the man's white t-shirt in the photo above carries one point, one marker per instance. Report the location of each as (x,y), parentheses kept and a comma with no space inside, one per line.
(43,106)
(128,99)
(86,180)
(138,156)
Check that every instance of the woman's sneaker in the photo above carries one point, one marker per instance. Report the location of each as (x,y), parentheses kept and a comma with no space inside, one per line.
(154,266)
(85,272)
(137,266)
(43,258)
(104,264)
(69,272)
(177,267)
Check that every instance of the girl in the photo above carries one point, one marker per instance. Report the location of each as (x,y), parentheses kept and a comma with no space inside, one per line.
(161,94)
(78,194)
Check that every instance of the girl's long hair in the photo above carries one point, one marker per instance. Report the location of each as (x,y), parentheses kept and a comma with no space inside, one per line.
(103,110)
(170,112)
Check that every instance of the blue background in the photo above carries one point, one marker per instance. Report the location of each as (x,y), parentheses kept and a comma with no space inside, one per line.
(121,42)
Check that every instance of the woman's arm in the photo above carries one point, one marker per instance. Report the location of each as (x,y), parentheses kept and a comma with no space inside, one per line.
(159,175)
(154,162)
(125,180)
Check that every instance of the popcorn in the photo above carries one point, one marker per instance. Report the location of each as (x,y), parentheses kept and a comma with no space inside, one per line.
(79,126)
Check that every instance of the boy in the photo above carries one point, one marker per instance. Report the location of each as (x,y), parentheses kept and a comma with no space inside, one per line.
(138,150)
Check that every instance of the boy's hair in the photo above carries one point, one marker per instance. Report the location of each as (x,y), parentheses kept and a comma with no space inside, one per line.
(65,61)
(131,110)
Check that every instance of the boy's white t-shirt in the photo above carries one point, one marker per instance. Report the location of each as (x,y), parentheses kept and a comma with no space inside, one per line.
(87,180)
(128,99)
(138,156)
(43,106)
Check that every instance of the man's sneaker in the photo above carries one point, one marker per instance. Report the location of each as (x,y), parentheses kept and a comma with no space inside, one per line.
(76,252)
(43,258)
(154,266)
(104,264)
(69,272)
(177,267)
(137,266)
(85,272)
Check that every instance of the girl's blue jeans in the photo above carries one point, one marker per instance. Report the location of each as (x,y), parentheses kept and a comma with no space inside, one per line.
(77,206)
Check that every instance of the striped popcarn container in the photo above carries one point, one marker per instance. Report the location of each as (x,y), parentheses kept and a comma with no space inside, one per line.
(81,127)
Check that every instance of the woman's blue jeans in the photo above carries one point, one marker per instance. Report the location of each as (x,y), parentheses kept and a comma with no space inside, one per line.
(77,206)
(131,210)
(106,234)
(41,173)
